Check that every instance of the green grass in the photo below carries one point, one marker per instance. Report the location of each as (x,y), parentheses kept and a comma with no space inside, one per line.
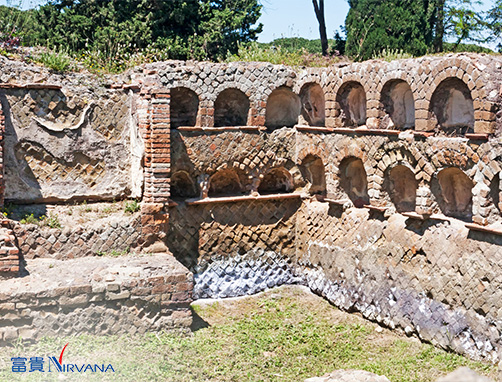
(277,55)
(284,335)
(58,61)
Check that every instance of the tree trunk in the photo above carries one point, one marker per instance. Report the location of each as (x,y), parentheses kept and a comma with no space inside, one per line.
(439,29)
(319,13)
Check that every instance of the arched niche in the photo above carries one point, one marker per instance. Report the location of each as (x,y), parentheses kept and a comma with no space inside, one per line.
(184,107)
(452,107)
(354,181)
(314,174)
(225,183)
(283,108)
(496,191)
(231,108)
(401,185)
(313,104)
(276,181)
(455,198)
(399,105)
(182,185)
(351,98)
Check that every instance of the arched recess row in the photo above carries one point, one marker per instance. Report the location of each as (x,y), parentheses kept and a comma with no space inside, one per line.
(354,181)
(184,107)
(451,109)
(283,108)
(453,191)
(231,108)
(313,104)
(401,186)
(351,100)
(398,105)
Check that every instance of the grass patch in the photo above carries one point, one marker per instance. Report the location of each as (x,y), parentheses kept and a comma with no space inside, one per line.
(58,61)
(282,335)
(253,52)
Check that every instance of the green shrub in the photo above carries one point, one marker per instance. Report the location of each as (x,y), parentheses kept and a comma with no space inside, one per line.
(58,61)
(51,221)
(132,207)
(29,219)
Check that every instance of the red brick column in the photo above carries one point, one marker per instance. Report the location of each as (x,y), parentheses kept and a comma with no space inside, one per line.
(154,120)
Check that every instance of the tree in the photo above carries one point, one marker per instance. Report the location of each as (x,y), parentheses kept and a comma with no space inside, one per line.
(494,22)
(415,27)
(319,13)
(458,19)
(374,25)
(185,29)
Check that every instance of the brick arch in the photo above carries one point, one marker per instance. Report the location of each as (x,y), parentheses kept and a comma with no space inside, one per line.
(310,78)
(447,157)
(352,77)
(314,150)
(472,77)
(394,157)
(248,91)
(189,85)
(353,150)
(397,75)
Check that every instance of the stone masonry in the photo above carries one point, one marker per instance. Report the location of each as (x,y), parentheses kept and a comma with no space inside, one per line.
(376,184)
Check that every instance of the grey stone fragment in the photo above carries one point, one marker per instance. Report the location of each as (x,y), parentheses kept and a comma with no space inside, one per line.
(349,376)
(464,374)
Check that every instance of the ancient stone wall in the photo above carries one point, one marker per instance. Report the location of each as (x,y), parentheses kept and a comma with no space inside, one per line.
(116,236)
(376,184)
(104,296)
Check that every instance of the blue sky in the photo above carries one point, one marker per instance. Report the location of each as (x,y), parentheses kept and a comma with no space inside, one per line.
(282,18)
(296,18)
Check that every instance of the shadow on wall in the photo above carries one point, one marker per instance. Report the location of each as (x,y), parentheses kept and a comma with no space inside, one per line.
(351,99)
(398,105)
(223,229)
(231,108)
(401,185)
(313,105)
(354,181)
(227,182)
(184,107)
(451,108)
(453,191)
(313,172)
(183,186)
(283,109)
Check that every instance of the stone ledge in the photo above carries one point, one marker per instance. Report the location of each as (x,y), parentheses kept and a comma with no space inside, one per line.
(233,199)
(477,137)
(30,86)
(220,129)
(481,228)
